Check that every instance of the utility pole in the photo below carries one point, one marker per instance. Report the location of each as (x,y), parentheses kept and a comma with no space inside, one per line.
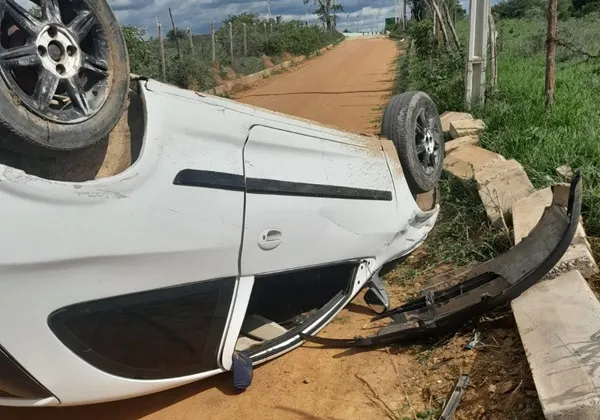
(269,9)
(477,51)
(356,22)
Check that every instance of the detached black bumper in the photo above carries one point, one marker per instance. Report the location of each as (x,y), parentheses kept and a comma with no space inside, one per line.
(445,306)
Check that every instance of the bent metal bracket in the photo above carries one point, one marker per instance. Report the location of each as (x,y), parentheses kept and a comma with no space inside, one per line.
(452,303)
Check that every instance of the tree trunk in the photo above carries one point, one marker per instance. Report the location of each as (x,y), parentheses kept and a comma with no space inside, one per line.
(550,53)
(451,25)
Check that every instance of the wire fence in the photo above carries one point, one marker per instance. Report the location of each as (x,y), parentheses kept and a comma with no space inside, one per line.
(233,48)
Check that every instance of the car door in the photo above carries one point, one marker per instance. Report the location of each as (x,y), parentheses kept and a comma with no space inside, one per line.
(312,201)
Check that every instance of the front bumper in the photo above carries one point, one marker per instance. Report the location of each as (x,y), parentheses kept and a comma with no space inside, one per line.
(457,300)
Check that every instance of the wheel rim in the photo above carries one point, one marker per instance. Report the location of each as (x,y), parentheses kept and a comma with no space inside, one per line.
(56,63)
(427,148)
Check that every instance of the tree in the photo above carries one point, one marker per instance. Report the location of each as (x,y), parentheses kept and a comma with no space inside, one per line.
(142,58)
(247,18)
(326,12)
(419,9)
(177,34)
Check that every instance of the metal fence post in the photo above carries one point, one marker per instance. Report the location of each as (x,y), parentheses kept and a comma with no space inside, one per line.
(477,51)
(161,51)
(231,39)
(212,37)
(245,41)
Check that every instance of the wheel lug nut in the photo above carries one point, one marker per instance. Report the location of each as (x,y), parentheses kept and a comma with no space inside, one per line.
(42,50)
(71,50)
(60,69)
(52,31)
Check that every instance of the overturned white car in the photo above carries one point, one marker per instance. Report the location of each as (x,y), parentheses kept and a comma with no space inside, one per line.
(234,231)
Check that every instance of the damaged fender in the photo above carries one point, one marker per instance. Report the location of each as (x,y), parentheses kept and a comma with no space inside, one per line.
(488,285)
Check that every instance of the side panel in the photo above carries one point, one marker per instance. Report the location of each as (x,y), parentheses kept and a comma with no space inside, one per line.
(329,201)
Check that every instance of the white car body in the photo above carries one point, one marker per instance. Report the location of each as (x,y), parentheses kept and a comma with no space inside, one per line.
(221,190)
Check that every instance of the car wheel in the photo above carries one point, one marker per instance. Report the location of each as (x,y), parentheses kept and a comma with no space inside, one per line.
(65,75)
(412,122)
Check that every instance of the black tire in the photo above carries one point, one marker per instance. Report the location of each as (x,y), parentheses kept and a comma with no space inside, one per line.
(404,116)
(99,70)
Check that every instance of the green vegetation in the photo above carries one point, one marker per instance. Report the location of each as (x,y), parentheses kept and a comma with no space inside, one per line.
(518,125)
(194,69)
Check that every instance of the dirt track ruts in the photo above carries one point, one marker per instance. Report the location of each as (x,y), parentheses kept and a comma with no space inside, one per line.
(345,87)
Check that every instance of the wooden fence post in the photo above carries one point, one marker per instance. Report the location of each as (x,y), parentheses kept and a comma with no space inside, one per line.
(550,53)
(212,40)
(493,61)
(175,33)
(245,41)
(190,38)
(231,39)
(161,51)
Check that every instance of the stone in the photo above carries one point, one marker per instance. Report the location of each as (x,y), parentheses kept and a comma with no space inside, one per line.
(464,161)
(463,128)
(559,324)
(527,212)
(565,171)
(447,117)
(452,145)
(500,185)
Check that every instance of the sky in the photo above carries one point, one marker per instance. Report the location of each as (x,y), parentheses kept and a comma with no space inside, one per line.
(197,14)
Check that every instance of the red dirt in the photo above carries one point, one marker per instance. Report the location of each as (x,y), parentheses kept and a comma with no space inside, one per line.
(345,87)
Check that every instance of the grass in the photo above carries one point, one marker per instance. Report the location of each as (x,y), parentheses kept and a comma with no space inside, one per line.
(518,125)
(520,128)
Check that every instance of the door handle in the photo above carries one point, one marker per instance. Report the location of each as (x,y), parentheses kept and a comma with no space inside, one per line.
(269,239)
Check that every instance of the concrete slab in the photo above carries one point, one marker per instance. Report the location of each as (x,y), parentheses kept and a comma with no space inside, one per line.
(500,185)
(452,145)
(464,161)
(463,128)
(525,215)
(449,116)
(559,324)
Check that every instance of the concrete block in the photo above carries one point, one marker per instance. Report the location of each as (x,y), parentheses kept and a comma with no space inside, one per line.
(500,185)
(464,161)
(452,145)
(559,324)
(463,128)
(527,212)
(450,116)
(565,171)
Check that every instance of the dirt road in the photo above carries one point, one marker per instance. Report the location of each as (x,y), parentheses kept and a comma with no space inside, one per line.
(346,87)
